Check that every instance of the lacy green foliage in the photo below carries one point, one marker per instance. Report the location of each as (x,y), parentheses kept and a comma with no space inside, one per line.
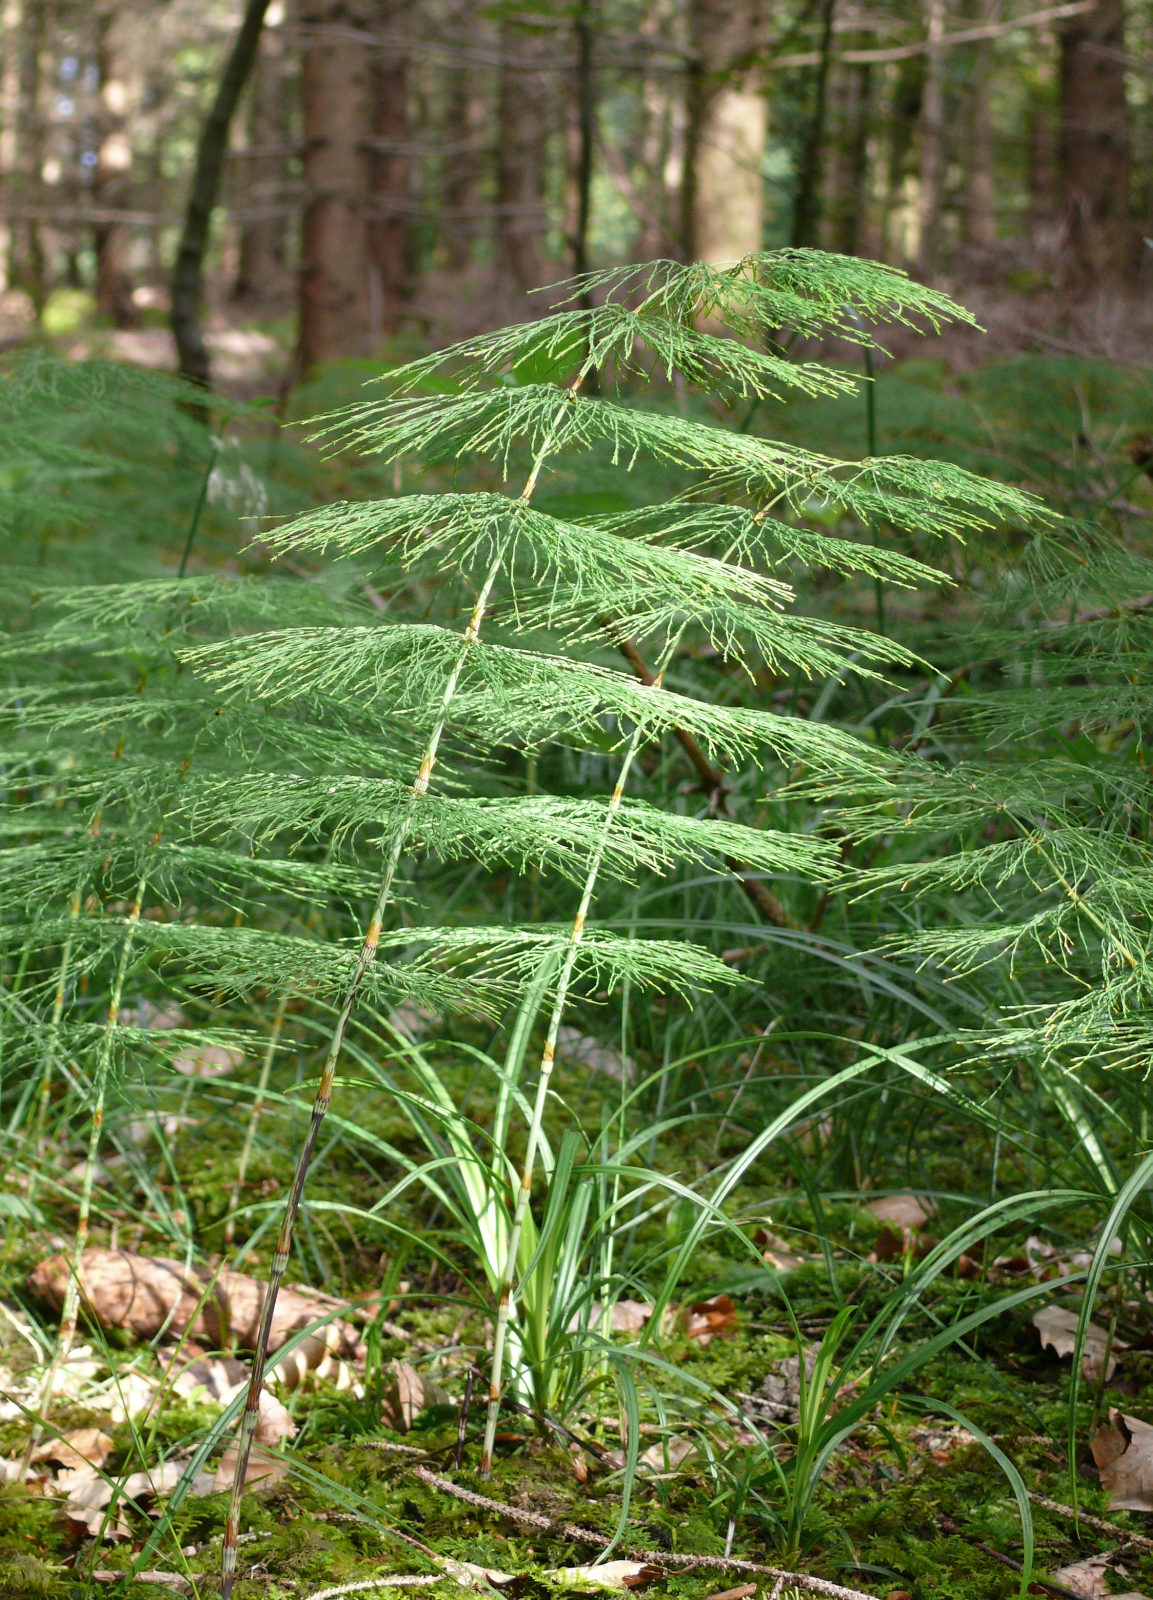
(164,796)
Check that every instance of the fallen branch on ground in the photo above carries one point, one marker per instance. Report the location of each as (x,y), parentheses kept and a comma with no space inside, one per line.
(656,1558)
(1098,1524)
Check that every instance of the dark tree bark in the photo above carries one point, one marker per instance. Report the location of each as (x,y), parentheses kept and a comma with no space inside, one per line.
(586,128)
(113,240)
(27,261)
(467,113)
(336,93)
(980,208)
(388,230)
(262,270)
(522,133)
(188,275)
(932,131)
(846,195)
(807,199)
(1101,243)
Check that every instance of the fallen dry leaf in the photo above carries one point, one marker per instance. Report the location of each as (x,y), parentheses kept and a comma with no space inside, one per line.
(1089,1577)
(892,1246)
(664,1456)
(132,1394)
(143,1293)
(778,1396)
(470,1576)
(414,1020)
(625,1316)
(583,1051)
(83,1447)
(1058,1330)
(1123,1452)
(904,1210)
(408,1394)
(207,1061)
(263,1471)
(608,1575)
(776,1252)
(710,1319)
(147,1015)
(222,1381)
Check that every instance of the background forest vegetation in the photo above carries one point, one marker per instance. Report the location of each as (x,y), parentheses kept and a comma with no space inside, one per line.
(588,821)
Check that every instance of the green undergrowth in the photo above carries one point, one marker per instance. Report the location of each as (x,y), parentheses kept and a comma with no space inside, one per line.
(950,959)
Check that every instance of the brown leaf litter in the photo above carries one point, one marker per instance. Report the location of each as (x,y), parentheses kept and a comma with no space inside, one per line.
(1058,1330)
(1123,1451)
(144,1294)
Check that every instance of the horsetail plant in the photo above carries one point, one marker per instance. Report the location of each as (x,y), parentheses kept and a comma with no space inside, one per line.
(306,728)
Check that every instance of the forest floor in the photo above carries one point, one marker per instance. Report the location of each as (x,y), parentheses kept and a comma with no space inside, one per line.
(910,1504)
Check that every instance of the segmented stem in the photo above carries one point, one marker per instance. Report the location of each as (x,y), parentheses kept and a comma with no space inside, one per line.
(257,1108)
(324,1090)
(548,1056)
(70,1313)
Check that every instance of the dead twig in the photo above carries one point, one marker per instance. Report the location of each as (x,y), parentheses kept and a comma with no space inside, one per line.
(655,1558)
(1098,1524)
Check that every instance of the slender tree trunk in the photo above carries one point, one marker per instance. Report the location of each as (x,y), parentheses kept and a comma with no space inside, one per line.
(807,201)
(114,171)
(980,207)
(388,225)
(857,230)
(1101,241)
(263,267)
(1044,167)
(586,130)
(521,134)
(335,296)
(188,275)
(932,129)
(467,113)
(27,263)
(722,192)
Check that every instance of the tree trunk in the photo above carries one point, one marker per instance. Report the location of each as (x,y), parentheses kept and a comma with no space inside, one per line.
(388,224)
(335,298)
(114,172)
(807,201)
(1101,241)
(25,26)
(467,111)
(188,274)
(846,182)
(980,206)
(1044,166)
(722,192)
(263,268)
(585,132)
(521,134)
(932,131)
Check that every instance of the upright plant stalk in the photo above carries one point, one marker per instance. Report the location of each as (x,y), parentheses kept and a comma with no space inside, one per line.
(196,515)
(871,439)
(250,1131)
(53,1045)
(548,1056)
(70,1312)
(365,959)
